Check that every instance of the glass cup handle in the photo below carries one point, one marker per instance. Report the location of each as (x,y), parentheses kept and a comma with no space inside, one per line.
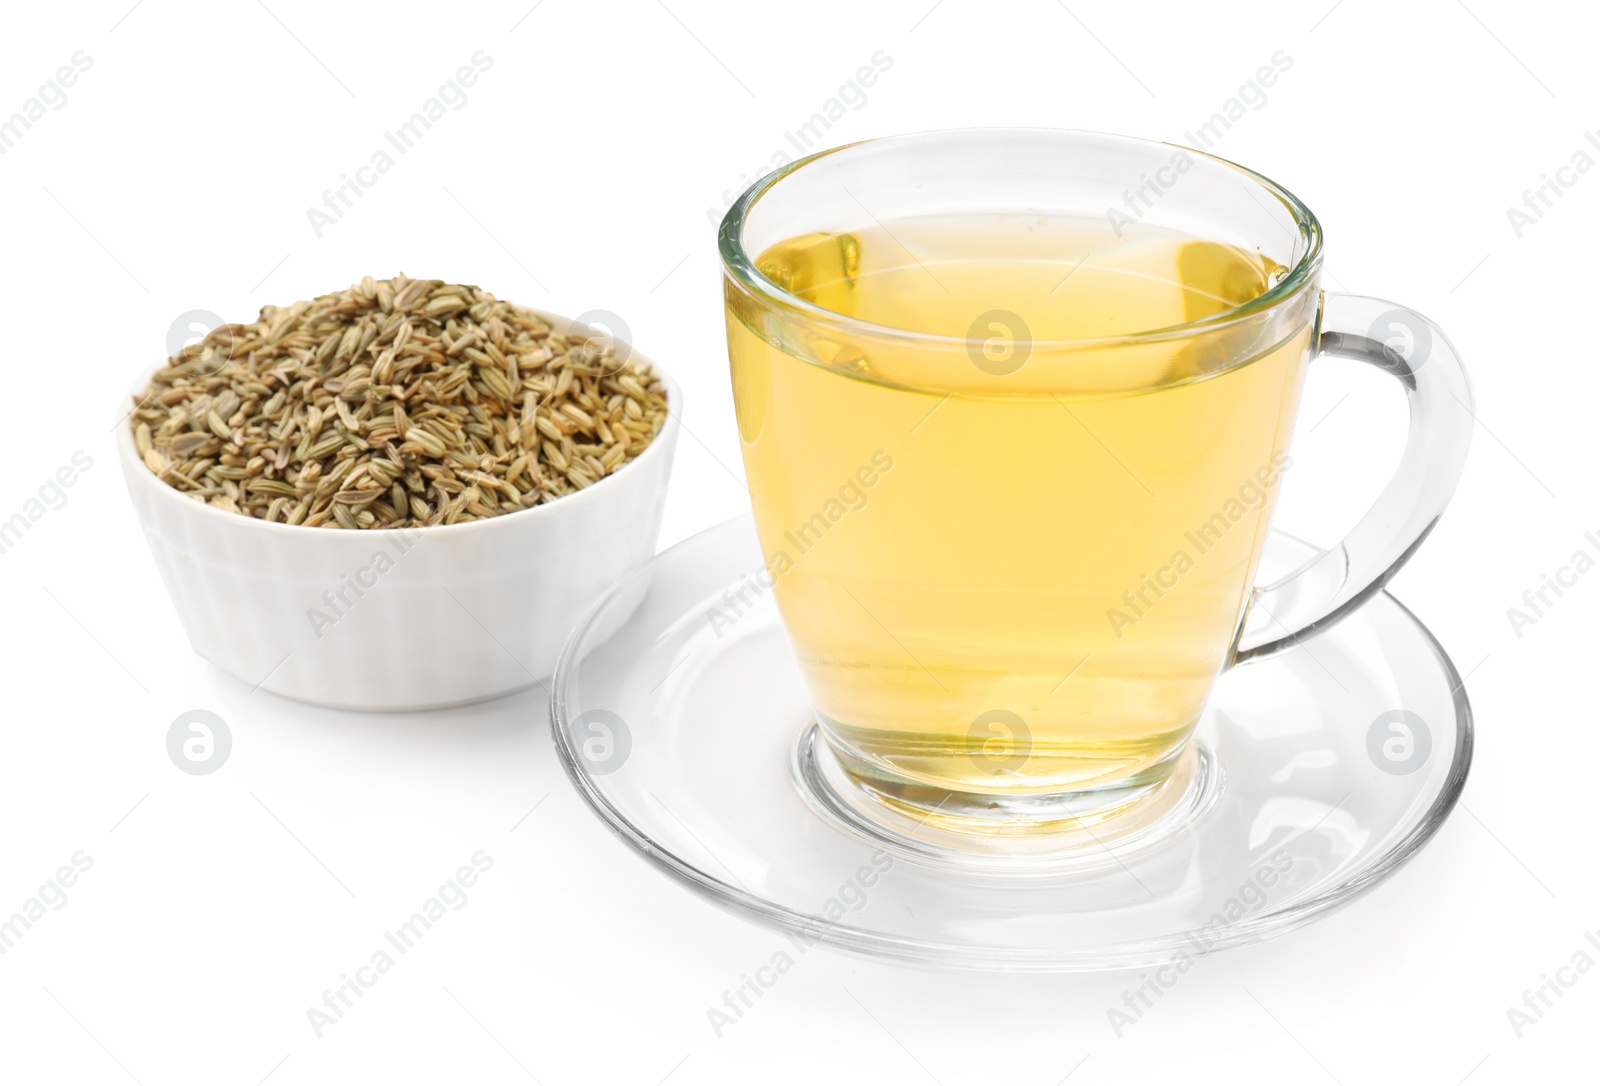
(1409,346)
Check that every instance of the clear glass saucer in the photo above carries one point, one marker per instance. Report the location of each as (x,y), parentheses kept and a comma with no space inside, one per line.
(681,717)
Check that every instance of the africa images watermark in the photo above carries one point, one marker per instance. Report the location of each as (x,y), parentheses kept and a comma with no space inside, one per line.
(199,742)
(451,96)
(1539,200)
(337,602)
(1251,97)
(851,497)
(1537,602)
(1539,1001)
(1251,495)
(51,897)
(451,897)
(52,94)
(851,97)
(851,897)
(602,740)
(1248,901)
(50,497)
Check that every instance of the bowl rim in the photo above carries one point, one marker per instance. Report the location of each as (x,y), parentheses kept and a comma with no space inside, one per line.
(134,467)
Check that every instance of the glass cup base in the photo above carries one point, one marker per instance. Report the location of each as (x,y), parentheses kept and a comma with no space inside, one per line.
(979,833)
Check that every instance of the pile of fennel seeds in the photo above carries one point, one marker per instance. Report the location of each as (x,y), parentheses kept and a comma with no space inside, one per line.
(398,403)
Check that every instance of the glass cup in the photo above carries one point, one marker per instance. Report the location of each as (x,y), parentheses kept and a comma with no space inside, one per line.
(1015,406)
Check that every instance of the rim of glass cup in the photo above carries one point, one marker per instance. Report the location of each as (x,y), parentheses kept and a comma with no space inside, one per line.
(741,266)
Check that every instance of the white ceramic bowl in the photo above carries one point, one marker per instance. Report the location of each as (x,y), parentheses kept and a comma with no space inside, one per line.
(400,618)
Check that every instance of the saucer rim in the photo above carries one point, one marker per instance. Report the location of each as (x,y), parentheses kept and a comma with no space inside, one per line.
(879,946)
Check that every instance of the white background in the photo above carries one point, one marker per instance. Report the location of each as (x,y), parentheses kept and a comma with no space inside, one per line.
(578,176)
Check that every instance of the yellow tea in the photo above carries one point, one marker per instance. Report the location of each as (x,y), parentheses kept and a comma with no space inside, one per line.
(1011,550)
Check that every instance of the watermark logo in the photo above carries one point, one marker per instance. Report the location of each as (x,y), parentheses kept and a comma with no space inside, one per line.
(616,341)
(1405,334)
(192,326)
(602,741)
(1399,742)
(1001,742)
(195,326)
(199,742)
(999,342)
